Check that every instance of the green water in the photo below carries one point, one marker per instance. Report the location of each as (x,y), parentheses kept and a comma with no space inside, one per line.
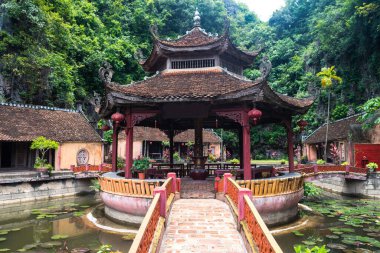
(342,224)
(30,227)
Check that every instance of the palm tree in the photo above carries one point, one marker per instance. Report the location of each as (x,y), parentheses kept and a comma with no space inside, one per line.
(328,77)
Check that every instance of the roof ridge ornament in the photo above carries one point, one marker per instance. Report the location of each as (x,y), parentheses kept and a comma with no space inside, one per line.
(197,18)
(106,72)
(265,68)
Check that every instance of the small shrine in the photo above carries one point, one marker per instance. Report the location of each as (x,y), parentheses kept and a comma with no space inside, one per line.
(198,83)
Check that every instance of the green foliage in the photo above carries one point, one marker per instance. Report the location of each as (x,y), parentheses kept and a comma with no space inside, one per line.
(43,145)
(105,249)
(95,185)
(211,158)
(165,143)
(371,110)
(310,190)
(141,164)
(340,112)
(234,161)
(320,162)
(315,249)
(107,136)
(372,166)
(328,75)
(120,164)
(176,157)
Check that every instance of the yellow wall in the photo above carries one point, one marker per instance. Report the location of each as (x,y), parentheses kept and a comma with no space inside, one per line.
(375,135)
(311,152)
(67,153)
(137,149)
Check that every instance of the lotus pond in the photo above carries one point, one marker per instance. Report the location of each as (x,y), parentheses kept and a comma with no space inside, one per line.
(342,224)
(46,226)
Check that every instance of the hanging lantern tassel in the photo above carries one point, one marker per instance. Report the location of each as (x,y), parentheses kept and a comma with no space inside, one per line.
(155,123)
(255,115)
(216,123)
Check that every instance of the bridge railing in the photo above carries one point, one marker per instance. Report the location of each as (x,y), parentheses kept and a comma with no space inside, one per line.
(253,227)
(317,169)
(152,228)
(91,168)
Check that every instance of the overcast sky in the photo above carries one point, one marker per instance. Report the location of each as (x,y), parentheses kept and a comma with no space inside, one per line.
(264,8)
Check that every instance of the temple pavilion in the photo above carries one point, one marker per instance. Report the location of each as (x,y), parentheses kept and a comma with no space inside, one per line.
(198,83)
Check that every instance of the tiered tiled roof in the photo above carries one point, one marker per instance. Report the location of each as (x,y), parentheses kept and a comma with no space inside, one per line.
(338,130)
(26,122)
(195,38)
(187,84)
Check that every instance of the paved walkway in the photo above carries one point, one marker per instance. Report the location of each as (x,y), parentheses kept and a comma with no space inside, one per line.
(197,189)
(201,225)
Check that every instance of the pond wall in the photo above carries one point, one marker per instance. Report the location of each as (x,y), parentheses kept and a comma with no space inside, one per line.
(31,189)
(336,182)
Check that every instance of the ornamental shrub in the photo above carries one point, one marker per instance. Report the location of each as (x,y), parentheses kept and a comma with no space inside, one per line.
(320,162)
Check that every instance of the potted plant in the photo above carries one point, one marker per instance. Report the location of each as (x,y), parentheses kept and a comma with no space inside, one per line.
(372,167)
(42,145)
(140,165)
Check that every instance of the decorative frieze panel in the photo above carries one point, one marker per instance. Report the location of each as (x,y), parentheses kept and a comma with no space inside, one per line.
(240,117)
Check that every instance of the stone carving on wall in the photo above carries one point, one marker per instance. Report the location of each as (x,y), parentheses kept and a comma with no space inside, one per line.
(82,157)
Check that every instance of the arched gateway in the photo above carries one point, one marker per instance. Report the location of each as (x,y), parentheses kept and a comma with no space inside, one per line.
(199,83)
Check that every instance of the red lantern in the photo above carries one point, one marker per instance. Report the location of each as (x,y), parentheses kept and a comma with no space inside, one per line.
(255,115)
(302,124)
(105,128)
(117,117)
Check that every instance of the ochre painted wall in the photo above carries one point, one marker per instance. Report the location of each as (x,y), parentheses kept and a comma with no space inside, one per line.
(311,152)
(375,135)
(137,149)
(67,153)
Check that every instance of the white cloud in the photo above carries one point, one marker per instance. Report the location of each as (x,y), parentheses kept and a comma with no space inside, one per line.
(264,8)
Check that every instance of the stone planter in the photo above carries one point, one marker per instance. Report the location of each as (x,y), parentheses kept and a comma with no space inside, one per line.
(43,172)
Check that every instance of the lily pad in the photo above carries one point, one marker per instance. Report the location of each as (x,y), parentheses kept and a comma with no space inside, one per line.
(59,237)
(308,243)
(2,239)
(332,236)
(30,246)
(21,250)
(15,229)
(4,232)
(4,250)
(51,244)
(78,214)
(336,246)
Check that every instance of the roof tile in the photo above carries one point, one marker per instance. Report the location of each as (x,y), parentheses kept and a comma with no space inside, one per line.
(25,123)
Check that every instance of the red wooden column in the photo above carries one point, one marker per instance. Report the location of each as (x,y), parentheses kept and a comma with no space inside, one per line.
(114,145)
(240,133)
(290,135)
(246,147)
(128,145)
(171,145)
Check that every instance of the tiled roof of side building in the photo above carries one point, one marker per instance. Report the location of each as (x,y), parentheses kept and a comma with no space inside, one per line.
(338,130)
(189,135)
(155,134)
(26,122)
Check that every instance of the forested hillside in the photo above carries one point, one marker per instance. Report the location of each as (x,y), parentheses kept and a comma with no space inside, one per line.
(50,50)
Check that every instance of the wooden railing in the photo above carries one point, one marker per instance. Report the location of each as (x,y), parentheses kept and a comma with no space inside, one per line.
(255,231)
(129,187)
(144,238)
(233,192)
(92,168)
(272,186)
(152,228)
